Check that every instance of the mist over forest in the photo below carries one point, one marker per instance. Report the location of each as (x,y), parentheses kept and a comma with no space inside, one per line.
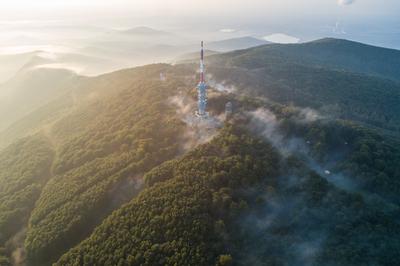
(121,145)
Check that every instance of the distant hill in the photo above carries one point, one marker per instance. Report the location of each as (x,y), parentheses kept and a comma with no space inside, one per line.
(12,63)
(194,55)
(144,31)
(344,78)
(191,52)
(235,44)
(30,89)
(331,53)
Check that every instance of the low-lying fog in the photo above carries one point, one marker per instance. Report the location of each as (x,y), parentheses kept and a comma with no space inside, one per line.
(93,50)
(35,54)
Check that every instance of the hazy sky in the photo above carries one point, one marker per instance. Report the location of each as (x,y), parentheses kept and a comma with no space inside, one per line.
(373,21)
(228,8)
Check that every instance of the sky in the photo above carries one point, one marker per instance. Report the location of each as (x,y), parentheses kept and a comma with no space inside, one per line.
(372,21)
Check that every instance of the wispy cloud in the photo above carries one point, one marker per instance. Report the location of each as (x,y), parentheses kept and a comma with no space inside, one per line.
(345,2)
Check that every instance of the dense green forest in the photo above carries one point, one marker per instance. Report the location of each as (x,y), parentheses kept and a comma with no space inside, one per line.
(366,155)
(236,200)
(307,221)
(103,175)
(328,53)
(24,169)
(133,131)
(180,218)
(286,74)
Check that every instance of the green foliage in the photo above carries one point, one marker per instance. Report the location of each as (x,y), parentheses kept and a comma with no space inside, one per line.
(132,132)
(328,53)
(311,222)
(194,209)
(24,168)
(369,157)
(179,218)
(298,74)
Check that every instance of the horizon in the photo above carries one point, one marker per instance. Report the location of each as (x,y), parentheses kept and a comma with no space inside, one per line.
(363,21)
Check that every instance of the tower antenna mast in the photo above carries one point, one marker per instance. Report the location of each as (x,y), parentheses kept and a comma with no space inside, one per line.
(202,88)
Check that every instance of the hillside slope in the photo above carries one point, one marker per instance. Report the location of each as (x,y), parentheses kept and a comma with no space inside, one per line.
(235,200)
(130,132)
(110,172)
(181,221)
(289,74)
(337,54)
(30,89)
(12,63)
(24,169)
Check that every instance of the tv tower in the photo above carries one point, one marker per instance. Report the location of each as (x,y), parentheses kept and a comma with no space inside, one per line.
(202,88)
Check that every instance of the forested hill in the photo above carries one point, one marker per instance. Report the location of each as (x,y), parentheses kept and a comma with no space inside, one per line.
(114,172)
(130,132)
(180,218)
(29,89)
(85,159)
(236,201)
(340,78)
(338,54)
